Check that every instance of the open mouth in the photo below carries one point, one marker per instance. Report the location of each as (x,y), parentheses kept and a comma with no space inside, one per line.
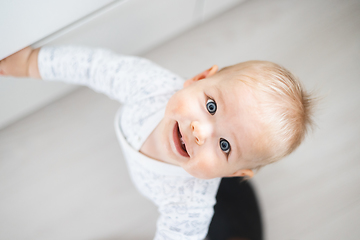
(179,143)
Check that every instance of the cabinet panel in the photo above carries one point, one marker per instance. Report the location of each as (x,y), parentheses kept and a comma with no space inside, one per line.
(25,22)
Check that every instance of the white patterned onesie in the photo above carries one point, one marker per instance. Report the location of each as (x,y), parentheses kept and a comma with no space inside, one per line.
(184,202)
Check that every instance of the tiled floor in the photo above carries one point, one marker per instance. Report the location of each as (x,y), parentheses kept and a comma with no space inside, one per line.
(62,175)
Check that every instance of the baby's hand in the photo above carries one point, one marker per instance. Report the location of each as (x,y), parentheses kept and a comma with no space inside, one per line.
(20,64)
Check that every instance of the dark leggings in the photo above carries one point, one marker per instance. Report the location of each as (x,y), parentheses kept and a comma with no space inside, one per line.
(237,213)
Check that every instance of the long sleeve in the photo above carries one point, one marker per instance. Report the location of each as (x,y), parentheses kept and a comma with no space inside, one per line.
(124,78)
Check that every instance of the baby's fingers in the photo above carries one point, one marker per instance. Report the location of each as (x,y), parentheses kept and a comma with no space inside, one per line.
(2,62)
(4,67)
(16,64)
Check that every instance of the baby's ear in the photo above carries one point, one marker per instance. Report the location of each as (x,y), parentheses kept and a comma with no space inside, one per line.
(248,173)
(207,73)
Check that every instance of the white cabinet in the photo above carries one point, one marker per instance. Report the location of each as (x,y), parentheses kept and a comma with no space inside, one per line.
(24,22)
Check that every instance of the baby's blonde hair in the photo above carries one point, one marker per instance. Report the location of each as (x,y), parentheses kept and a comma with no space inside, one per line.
(285,108)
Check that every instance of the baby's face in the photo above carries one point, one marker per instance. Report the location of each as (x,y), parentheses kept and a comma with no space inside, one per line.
(209,128)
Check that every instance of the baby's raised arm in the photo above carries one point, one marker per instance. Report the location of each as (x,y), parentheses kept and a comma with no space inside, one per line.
(21,64)
(121,77)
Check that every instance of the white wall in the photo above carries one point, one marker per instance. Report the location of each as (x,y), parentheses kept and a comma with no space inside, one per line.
(129,27)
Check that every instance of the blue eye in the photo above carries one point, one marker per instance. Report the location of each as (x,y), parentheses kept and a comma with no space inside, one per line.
(224,145)
(211,106)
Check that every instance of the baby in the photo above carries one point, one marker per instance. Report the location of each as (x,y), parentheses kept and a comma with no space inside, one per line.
(181,137)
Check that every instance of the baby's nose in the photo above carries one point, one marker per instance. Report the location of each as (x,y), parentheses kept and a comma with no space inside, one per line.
(200,131)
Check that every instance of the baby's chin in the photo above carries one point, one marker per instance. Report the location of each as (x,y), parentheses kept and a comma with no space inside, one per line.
(200,173)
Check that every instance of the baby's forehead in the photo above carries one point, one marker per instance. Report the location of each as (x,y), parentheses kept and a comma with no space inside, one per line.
(235,91)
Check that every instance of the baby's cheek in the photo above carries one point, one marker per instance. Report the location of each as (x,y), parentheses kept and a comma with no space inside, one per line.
(182,108)
(204,167)
(178,109)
